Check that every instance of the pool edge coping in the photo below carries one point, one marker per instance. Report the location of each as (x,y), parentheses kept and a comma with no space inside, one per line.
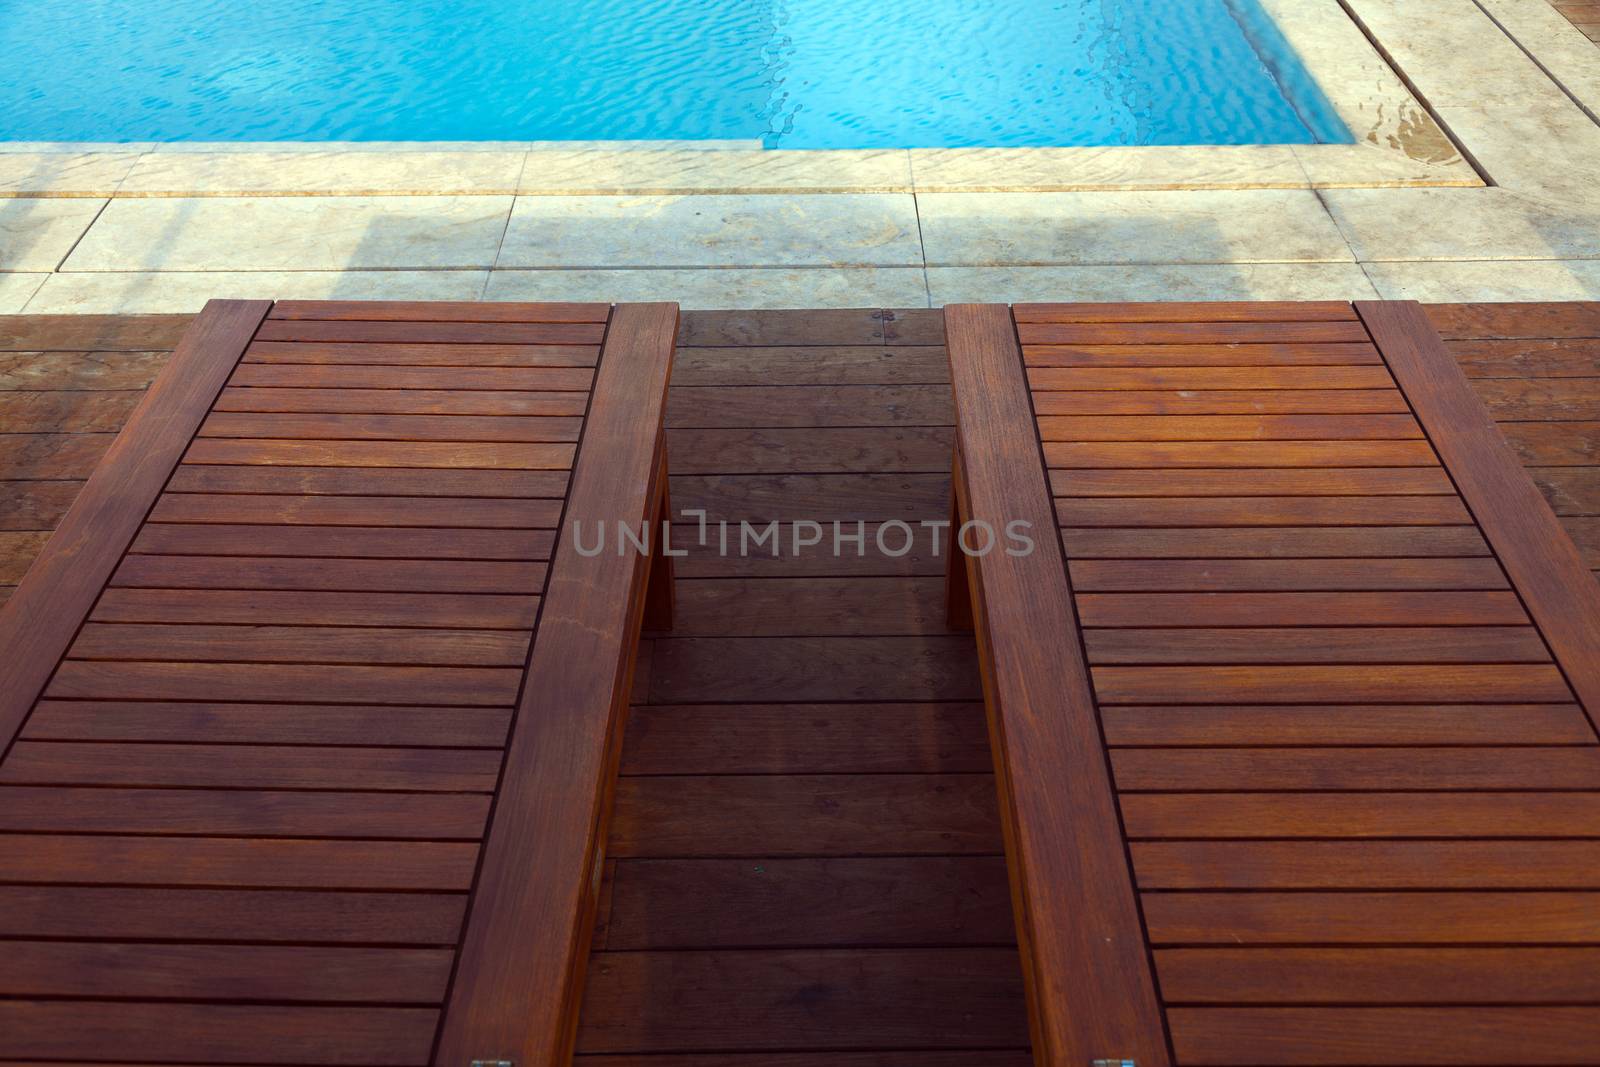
(1399,144)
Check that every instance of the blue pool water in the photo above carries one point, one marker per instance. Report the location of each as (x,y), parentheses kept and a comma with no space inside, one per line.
(789,73)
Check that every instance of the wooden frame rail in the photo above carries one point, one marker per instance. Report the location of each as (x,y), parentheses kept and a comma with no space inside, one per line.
(311,707)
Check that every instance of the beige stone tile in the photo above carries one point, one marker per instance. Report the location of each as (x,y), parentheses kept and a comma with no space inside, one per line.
(295,233)
(16,289)
(1364,90)
(1444,281)
(814,287)
(1463,224)
(1335,166)
(344,173)
(1452,52)
(74,148)
(839,230)
(1150,281)
(174,291)
(1560,47)
(36,233)
(1069,169)
(63,173)
(673,171)
(984,229)
(1538,149)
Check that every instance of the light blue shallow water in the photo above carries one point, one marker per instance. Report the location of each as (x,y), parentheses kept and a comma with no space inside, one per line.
(792,73)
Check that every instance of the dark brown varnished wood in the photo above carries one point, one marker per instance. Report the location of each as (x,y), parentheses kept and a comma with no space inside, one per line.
(1089,984)
(518,983)
(1540,558)
(1313,673)
(311,630)
(41,617)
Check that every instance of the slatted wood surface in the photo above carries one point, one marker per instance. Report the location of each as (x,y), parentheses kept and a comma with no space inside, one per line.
(262,685)
(1346,686)
(822,876)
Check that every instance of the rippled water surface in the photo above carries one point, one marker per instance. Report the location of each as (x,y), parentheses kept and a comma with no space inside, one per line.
(790,73)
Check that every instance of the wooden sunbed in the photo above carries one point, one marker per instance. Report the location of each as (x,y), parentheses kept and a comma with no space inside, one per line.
(311,704)
(1289,536)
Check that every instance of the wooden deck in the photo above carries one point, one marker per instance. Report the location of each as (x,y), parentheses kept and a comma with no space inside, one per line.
(806,864)
(1331,646)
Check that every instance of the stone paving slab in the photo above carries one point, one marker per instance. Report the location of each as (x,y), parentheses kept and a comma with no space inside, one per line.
(138,292)
(713,231)
(37,233)
(295,233)
(1155,227)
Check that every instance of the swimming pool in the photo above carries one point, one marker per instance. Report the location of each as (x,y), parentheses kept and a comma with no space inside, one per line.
(798,74)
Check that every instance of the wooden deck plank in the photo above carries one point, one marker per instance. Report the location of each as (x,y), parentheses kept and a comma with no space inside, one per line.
(131,914)
(1541,560)
(768,348)
(263,704)
(37,622)
(1061,827)
(1386,1037)
(516,990)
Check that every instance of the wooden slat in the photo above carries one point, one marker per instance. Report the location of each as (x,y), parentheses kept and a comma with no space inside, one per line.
(499,333)
(40,618)
(229,914)
(1205,379)
(223,862)
(1372,724)
(301,645)
(438,311)
(1305,542)
(263,801)
(1261,354)
(1432,865)
(353,427)
(1395,814)
(1188,311)
(511,456)
(262,508)
(328,575)
(400,354)
(1064,842)
(251,766)
(244,972)
(1302,609)
(1222,511)
(885,998)
(1371,918)
(1380,975)
(361,481)
(335,376)
(401,401)
(1409,683)
(1245,575)
(1386,1037)
(266,724)
(1188,333)
(518,984)
(1114,401)
(1375,644)
(498,611)
(841,902)
(216,1033)
(1222,428)
(1240,453)
(1541,560)
(813,738)
(87,680)
(361,542)
(759,815)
